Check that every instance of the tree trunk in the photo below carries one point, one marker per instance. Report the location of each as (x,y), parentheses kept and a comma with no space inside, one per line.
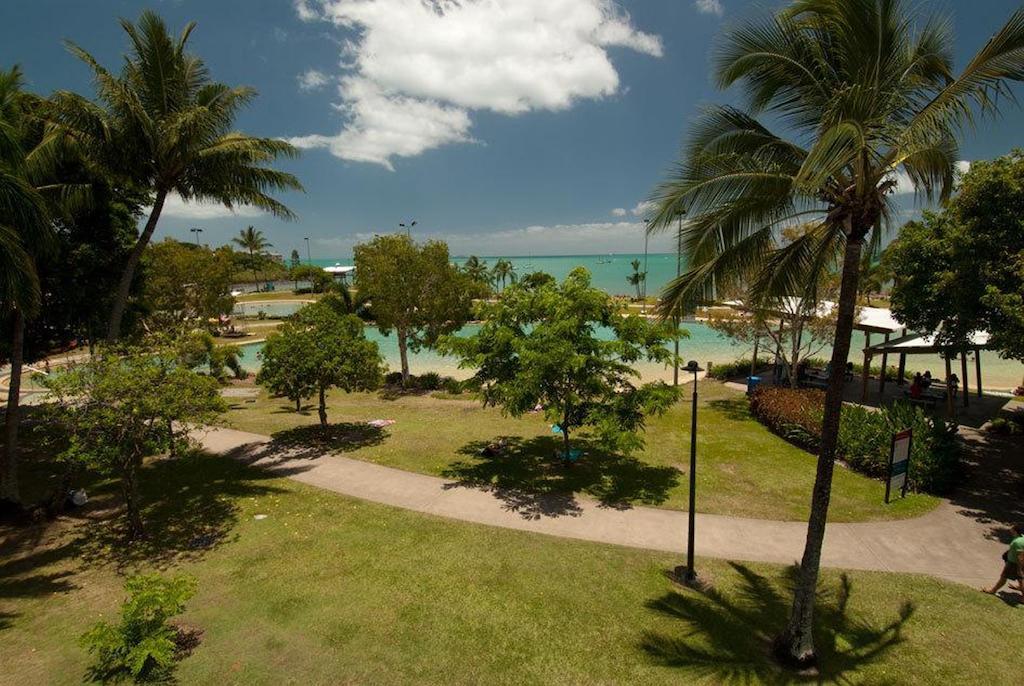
(298,404)
(323,406)
(565,440)
(403,351)
(255,277)
(796,643)
(125,285)
(9,478)
(794,356)
(130,491)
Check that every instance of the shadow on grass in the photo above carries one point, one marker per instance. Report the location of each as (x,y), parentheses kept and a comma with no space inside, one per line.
(726,637)
(189,508)
(529,477)
(307,442)
(736,409)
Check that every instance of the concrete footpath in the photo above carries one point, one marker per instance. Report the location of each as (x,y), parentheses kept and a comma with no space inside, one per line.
(953,542)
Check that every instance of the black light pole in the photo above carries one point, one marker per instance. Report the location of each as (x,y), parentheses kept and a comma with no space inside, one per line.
(195,232)
(309,260)
(689,574)
(408,229)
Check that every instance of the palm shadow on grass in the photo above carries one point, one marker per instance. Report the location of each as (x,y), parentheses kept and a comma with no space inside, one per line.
(725,638)
(312,441)
(529,478)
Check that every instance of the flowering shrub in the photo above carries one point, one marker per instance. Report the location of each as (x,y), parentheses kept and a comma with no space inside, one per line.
(865,434)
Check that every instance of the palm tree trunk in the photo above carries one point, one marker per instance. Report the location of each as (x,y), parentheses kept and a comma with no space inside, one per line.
(323,406)
(9,478)
(403,351)
(796,643)
(125,285)
(255,277)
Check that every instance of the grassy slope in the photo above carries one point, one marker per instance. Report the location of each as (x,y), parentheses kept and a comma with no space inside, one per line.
(743,469)
(332,590)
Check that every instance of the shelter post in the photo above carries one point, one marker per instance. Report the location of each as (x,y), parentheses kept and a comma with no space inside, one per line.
(901,378)
(977,370)
(949,389)
(964,382)
(881,377)
(866,372)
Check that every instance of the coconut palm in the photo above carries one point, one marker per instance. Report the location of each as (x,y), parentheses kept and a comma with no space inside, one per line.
(476,269)
(503,271)
(252,239)
(866,90)
(165,125)
(637,278)
(29,196)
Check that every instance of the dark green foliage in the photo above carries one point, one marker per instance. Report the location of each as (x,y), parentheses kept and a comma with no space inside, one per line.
(725,371)
(538,346)
(865,434)
(141,647)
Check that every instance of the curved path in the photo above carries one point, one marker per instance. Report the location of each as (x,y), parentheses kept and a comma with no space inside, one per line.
(954,542)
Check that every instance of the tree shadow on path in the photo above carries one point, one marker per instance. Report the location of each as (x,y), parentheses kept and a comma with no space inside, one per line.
(725,638)
(532,480)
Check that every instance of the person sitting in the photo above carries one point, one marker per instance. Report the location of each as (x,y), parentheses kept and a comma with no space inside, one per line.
(849,371)
(916,386)
(954,383)
(926,380)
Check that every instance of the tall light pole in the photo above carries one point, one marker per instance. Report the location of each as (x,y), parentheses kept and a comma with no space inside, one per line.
(647,225)
(309,260)
(195,232)
(688,574)
(675,317)
(408,229)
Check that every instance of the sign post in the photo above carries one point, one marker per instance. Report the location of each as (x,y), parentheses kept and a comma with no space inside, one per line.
(899,460)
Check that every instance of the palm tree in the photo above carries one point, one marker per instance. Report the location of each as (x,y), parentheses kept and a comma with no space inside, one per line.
(163,124)
(503,271)
(866,89)
(251,239)
(637,277)
(476,269)
(28,196)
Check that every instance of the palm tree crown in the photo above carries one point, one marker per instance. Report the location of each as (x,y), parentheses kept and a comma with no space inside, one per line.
(163,124)
(865,90)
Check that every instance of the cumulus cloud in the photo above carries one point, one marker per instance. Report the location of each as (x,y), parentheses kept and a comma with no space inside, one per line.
(176,206)
(446,58)
(311,80)
(709,7)
(305,10)
(643,208)
(619,212)
(904,186)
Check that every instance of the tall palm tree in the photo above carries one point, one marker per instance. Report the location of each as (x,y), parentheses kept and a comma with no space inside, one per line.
(636,278)
(29,195)
(476,269)
(165,125)
(865,89)
(503,271)
(252,240)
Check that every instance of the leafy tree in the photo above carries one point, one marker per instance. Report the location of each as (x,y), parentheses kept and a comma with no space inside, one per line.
(141,646)
(184,283)
(637,278)
(866,89)
(540,346)
(294,262)
(961,270)
(319,279)
(415,291)
(316,351)
(252,239)
(117,409)
(164,125)
(197,349)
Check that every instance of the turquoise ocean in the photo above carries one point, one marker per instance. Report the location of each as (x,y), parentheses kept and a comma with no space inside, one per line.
(609,273)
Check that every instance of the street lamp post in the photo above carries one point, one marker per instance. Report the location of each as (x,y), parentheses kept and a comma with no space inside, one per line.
(689,574)
(195,232)
(309,260)
(408,229)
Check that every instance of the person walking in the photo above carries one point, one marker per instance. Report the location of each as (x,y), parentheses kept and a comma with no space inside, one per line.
(1013,562)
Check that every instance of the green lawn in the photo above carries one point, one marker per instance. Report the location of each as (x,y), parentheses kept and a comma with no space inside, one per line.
(276,295)
(743,470)
(328,590)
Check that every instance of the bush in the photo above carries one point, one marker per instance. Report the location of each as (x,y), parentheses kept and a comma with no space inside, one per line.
(736,368)
(451,386)
(142,645)
(1011,424)
(865,435)
(431,381)
(393,379)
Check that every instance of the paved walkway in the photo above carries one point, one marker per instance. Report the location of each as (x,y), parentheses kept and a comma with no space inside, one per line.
(957,541)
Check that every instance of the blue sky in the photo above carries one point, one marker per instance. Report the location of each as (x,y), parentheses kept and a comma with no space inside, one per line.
(503,126)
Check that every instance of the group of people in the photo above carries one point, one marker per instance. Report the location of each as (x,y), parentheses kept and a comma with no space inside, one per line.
(922,382)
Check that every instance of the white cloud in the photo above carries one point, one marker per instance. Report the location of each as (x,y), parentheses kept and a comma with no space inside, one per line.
(619,212)
(643,208)
(175,206)
(446,58)
(904,186)
(305,11)
(311,80)
(710,7)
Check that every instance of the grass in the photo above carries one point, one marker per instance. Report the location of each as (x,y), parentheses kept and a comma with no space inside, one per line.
(743,469)
(325,589)
(276,295)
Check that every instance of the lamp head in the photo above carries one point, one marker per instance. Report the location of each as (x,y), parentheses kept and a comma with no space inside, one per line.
(692,367)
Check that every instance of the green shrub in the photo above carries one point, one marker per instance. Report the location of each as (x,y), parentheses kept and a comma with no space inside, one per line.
(736,368)
(393,379)
(451,386)
(142,646)
(431,381)
(865,435)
